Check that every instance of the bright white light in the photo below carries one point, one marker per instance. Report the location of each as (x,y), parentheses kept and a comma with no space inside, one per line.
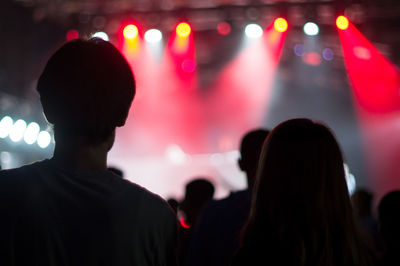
(350,179)
(311,29)
(175,154)
(17,130)
(5,126)
(253,31)
(101,35)
(153,36)
(43,139)
(31,133)
(5,157)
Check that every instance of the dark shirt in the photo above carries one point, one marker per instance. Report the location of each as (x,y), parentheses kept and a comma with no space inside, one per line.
(53,216)
(217,235)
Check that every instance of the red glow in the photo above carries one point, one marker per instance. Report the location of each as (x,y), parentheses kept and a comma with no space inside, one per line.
(183,29)
(375,83)
(312,58)
(183,223)
(342,22)
(224,28)
(130,31)
(72,34)
(280,25)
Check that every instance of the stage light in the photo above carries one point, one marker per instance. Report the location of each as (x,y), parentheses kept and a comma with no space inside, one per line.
(153,36)
(183,29)
(44,139)
(299,50)
(224,28)
(253,31)
(31,133)
(280,25)
(130,32)
(327,54)
(342,22)
(311,29)
(17,130)
(72,34)
(5,126)
(102,35)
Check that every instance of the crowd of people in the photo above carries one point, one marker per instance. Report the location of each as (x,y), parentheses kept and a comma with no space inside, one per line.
(74,209)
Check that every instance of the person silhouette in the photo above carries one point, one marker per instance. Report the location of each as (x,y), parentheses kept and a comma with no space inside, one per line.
(389,224)
(301,212)
(216,236)
(70,210)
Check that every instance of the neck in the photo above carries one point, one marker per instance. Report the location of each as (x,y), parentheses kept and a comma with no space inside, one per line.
(72,155)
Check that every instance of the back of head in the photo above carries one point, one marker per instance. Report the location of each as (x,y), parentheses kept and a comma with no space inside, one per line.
(389,219)
(301,202)
(250,149)
(86,90)
(362,202)
(197,193)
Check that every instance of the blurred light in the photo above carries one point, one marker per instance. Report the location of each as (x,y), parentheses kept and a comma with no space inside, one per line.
(175,154)
(31,133)
(130,32)
(183,29)
(153,36)
(311,29)
(350,179)
(102,35)
(224,28)
(5,126)
(342,22)
(44,139)
(253,31)
(17,130)
(327,54)
(188,65)
(280,25)
(5,157)
(312,58)
(299,50)
(72,35)
(183,223)
(362,53)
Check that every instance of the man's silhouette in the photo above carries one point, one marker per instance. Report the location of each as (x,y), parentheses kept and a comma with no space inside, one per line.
(70,210)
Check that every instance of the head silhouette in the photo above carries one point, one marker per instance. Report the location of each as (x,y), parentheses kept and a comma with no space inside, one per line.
(197,193)
(86,90)
(362,202)
(301,200)
(389,220)
(250,149)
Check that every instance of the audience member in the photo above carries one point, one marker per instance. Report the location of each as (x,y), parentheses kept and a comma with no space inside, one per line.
(362,204)
(389,223)
(174,204)
(70,210)
(216,236)
(197,193)
(301,212)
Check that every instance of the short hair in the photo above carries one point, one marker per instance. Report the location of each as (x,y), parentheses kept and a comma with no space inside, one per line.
(86,89)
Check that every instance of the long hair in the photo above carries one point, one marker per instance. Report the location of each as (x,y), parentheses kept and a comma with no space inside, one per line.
(301,206)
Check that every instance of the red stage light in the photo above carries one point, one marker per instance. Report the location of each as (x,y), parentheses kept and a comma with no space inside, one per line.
(130,32)
(224,28)
(280,25)
(183,29)
(342,22)
(72,34)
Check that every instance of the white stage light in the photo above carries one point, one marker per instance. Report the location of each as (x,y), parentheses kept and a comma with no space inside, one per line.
(101,35)
(5,126)
(31,133)
(44,139)
(17,130)
(153,36)
(253,31)
(311,29)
